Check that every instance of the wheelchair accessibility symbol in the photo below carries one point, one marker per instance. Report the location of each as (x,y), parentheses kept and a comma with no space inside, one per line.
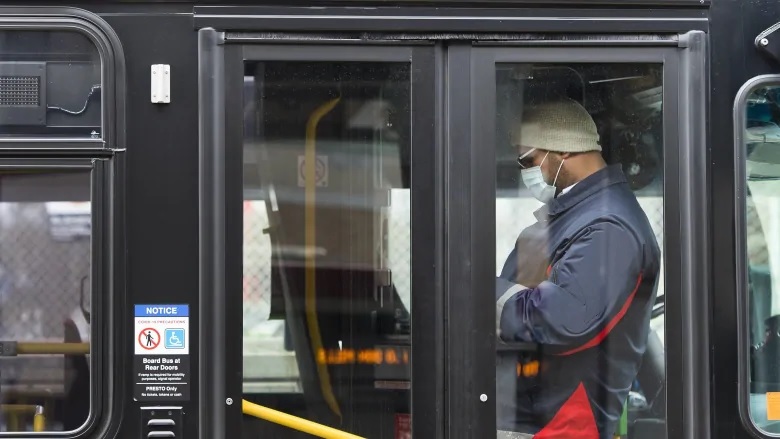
(174,338)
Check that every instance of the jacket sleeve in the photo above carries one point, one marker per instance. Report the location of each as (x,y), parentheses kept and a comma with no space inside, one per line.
(588,286)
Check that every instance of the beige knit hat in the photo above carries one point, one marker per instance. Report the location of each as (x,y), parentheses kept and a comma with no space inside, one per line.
(560,126)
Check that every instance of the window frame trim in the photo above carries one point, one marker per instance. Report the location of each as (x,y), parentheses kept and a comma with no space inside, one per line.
(108,191)
(102,272)
(741,258)
(112,71)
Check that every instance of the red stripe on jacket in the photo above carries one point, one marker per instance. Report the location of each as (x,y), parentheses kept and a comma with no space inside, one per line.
(595,341)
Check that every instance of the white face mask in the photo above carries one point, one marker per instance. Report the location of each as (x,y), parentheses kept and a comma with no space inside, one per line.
(534,181)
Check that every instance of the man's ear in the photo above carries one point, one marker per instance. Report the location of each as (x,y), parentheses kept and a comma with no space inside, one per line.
(564,155)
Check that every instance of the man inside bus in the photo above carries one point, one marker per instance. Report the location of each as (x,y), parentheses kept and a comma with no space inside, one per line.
(580,283)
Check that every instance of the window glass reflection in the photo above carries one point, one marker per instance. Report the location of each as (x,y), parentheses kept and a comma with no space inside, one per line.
(45,247)
(579,221)
(762,149)
(327,251)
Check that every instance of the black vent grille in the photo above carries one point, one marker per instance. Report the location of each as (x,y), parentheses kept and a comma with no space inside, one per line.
(20,91)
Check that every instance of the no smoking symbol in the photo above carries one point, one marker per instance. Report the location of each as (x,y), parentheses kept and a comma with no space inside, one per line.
(320,171)
(149,338)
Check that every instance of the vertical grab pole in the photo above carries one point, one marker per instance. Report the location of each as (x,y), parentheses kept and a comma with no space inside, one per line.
(39,420)
(310,236)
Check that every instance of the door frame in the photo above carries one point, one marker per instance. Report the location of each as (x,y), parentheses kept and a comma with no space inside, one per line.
(462,179)
(686,180)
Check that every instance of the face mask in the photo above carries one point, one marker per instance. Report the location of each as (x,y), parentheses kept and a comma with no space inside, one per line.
(534,181)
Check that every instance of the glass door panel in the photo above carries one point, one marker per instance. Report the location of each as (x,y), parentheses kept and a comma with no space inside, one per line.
(579,263)
(585,146)
(327,241)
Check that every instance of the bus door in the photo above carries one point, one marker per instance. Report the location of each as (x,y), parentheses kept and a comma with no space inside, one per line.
(327,200)
(360,194)
(646,109)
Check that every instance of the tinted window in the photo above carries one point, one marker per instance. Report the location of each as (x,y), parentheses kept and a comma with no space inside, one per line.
(762,208)
(327,244)
(50,85)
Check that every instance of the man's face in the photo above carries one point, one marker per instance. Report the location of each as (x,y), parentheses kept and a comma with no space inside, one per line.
(536,157)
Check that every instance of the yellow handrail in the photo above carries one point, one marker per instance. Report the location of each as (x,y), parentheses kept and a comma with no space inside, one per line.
(310,295)
(45,348)
(294,422)
(39,421)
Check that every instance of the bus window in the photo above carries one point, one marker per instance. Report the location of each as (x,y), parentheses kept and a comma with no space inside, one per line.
(50,85)
(327,247)
(45,266)
(579,245)
(761,149)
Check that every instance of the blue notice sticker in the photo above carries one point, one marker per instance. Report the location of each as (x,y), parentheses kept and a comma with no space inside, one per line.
(162,310)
